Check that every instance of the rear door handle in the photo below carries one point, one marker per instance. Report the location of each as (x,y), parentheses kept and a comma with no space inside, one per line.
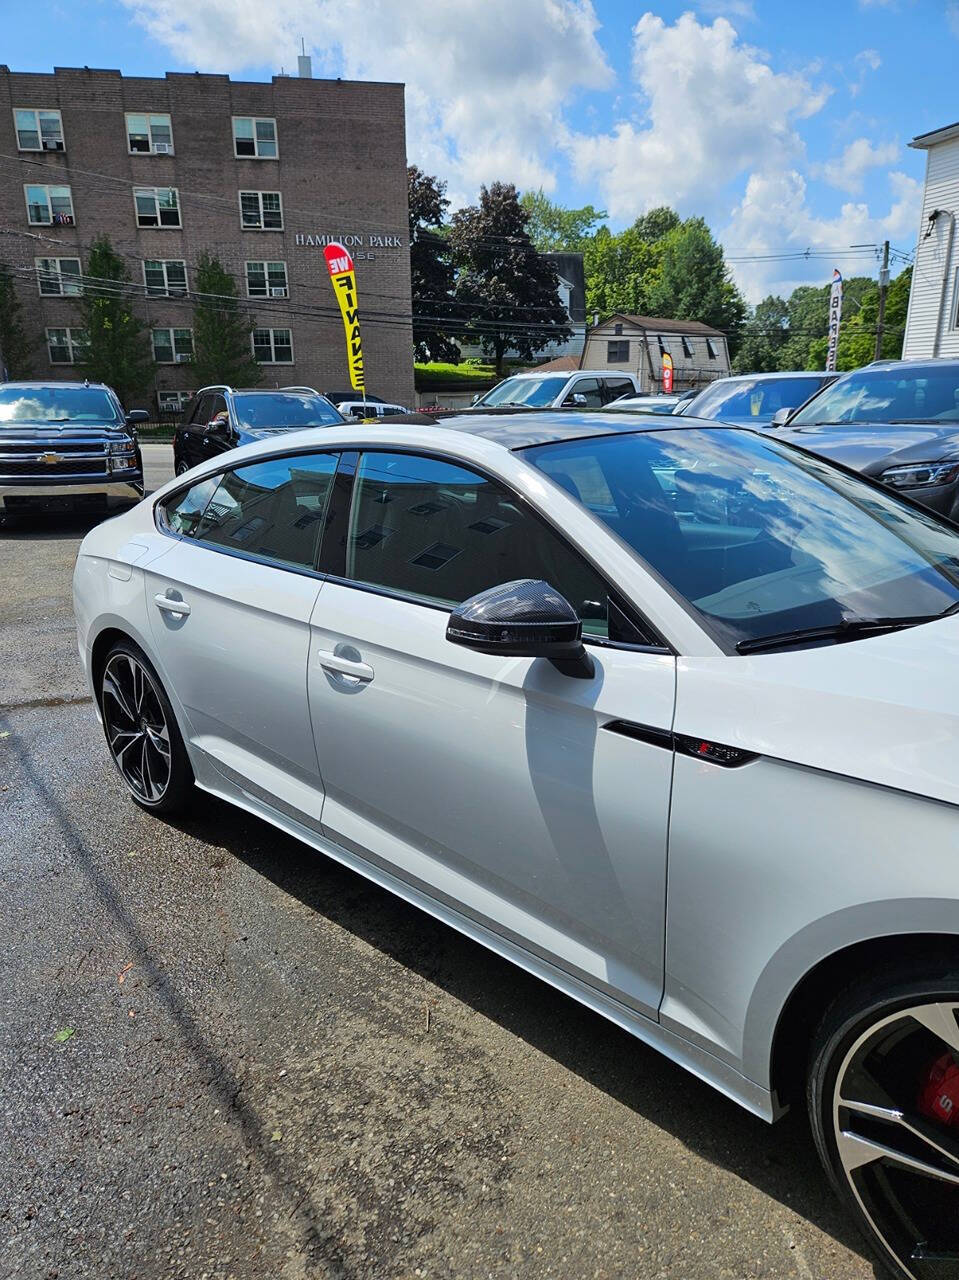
(359,671)
(168,605)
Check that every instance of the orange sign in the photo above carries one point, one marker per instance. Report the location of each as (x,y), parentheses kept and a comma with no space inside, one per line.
(339,263)
(667,373)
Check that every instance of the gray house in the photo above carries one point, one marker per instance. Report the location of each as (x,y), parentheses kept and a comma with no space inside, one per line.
(637,345)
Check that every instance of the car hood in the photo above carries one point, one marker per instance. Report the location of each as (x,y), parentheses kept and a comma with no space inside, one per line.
(884,709)
(871,448)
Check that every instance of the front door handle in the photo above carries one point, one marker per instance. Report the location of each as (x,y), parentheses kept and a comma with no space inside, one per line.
(362,672)
(166,604)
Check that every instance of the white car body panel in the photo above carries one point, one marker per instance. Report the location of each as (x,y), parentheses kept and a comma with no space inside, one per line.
(772,867)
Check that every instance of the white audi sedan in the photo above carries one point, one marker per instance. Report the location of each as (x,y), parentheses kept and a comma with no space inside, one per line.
(668,714)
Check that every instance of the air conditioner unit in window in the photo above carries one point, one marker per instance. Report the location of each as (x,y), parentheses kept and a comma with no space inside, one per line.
(278,293)
(182,359)
(51,144)
(163,148)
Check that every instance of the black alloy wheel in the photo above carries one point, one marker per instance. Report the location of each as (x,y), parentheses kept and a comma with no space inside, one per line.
(884,1104)
(142,733)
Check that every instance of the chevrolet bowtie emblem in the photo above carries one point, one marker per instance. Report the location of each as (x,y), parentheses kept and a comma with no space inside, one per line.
(51,459)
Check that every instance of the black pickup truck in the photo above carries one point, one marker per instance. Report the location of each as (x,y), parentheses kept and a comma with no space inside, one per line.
(66,445)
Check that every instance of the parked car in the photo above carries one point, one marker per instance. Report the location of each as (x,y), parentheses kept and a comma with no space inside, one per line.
(754,399)
(339,397)
(684,398)
(220,418)
(584,389)
(621,647)
(645,404)
(896,421)
(369,410)
(66,445)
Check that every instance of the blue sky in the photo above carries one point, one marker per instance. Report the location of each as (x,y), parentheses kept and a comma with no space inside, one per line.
(784,125)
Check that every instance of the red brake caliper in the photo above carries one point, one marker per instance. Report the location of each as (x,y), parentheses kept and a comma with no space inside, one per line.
(939,1091)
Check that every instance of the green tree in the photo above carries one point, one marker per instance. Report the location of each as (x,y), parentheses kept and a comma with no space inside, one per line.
(15,347)
(809,321)
(691,281)
(553,228)
(508,291)
(222,350)
(857,334)
(764,336)
(117,351)
(616,267)
(432,274)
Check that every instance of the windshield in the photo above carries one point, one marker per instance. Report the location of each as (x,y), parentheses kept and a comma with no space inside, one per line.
(757,398)
(529,391)
(759,538)
(922,394)
(56,404)
(284,409)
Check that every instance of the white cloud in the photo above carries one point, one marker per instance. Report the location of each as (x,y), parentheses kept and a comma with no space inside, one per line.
(715,110)
(487,80)
(865,61)
(848,170)
(773,218)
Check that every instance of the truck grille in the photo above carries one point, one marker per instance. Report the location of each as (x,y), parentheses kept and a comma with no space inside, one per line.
(66,466)
(57,457)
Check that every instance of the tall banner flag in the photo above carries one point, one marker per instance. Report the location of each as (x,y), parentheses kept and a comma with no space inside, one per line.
(667,372)
(835,315)
(339,263)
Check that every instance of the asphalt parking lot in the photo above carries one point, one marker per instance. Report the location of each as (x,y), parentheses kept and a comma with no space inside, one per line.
(223,1056)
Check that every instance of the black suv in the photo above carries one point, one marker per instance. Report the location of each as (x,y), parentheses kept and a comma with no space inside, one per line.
(66,445)
(220,418)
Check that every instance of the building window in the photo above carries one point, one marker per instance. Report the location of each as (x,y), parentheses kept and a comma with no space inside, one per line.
(710,349)
(149,134)
(261,211)
(687,349)
(67,346)
(58,277)
(663,349)
(39,130)
(254,138)
(266,280)
(617,329)
(164,277)
(50,206)
(617,352)
(173,401)
(172,346)
(157,206)
(273,346)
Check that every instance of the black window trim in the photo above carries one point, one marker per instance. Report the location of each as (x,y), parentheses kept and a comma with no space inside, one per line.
(337,573)
(316,571)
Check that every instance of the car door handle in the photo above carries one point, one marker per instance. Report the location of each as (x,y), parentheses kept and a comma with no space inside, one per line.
(168,605)
(359,671)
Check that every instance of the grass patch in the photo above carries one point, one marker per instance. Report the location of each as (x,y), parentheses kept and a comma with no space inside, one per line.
(469,375)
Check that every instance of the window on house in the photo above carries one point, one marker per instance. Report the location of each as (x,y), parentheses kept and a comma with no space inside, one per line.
(150,134)
(617,329)
(273,346)
(157,206)
(710,349)
(50,206)
(58,277)
(172,346)
(663,349)
(39,130)
(266,280)
(687,349)
(67,346)
(254,137)
(261,211)
(164,277)
(617,352)
(173,401)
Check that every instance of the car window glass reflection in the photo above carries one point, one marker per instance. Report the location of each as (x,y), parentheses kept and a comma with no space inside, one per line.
(182,513)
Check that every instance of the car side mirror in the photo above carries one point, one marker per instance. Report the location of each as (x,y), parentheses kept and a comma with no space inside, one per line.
(780,417)
(219,424)
(523,619)
(474,398)
(136,415)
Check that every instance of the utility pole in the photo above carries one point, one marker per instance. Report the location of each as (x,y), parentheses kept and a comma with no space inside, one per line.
(883,286)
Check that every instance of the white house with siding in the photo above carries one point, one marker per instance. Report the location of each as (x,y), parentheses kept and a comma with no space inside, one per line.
(932,322)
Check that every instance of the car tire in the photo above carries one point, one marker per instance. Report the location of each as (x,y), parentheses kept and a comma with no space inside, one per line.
(142,732)
(883,1077)
(181,467)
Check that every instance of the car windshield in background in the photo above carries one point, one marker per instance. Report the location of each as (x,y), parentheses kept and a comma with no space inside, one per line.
(763,540)
(284,409)
(925,394)
(55,404)
(757,398)
(525,391)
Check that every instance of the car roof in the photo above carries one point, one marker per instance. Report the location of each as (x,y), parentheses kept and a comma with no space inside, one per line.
(568,373)
(520,430)
(56,382)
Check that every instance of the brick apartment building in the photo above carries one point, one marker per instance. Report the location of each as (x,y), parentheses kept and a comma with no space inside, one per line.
(260,175)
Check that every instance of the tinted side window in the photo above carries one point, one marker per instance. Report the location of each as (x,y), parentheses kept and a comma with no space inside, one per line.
(588,387)
(273,509)
(181,513)
(198,413)
(613,388)
(430,529)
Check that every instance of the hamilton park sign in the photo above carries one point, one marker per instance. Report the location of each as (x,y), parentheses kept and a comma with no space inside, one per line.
(361,245)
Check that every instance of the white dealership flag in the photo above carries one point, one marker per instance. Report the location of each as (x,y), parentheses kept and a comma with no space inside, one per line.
(835,315)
